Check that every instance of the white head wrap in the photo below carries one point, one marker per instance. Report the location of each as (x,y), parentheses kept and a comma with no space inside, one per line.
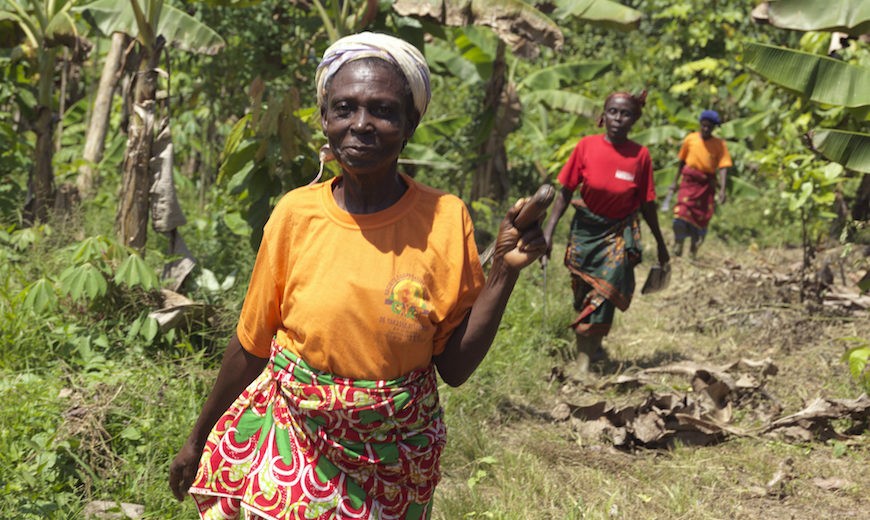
(375,45)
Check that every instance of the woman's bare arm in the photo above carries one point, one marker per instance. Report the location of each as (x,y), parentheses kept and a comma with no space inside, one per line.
(238,369)
(471,340)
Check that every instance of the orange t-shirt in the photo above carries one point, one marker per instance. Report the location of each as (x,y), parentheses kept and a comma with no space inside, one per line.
(707,156)
(370,296)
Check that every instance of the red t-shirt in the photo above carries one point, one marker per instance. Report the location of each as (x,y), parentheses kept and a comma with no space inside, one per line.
(614,180)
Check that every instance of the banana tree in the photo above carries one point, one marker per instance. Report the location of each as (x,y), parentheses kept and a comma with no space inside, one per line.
(522,28)
(833,85)
(46,25)
(153,24)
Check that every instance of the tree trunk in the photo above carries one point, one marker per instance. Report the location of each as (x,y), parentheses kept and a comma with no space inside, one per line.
(41,184)
(490,178)
(131,221)
(61,98)
(95,140)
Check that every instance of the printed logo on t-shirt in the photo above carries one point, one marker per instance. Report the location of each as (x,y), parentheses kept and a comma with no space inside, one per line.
(406,298)
(624,175)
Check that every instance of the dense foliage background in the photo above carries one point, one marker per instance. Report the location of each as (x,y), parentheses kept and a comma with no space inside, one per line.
(97,394)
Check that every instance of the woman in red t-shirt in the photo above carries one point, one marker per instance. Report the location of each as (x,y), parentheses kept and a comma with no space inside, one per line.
(615,180)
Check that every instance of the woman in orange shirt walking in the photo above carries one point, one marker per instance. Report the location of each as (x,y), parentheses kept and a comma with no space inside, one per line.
(701,157)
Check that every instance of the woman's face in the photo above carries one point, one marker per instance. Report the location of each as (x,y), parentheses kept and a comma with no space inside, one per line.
(365,118)
(707,127)
(619,116)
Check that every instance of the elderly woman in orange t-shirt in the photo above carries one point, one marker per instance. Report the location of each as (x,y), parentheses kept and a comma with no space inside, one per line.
(326,402)
(701,157)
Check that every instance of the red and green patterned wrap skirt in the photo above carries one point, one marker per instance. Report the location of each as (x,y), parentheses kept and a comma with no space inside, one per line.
(601,256)
(303,444)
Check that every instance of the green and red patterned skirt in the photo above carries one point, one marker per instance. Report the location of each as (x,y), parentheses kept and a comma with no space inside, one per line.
(601,256)
(303,444)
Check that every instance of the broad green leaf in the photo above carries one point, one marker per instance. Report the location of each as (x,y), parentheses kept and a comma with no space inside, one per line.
(848,16)
(241,179)
(482,39)
(563,100)
(431,130)
(240,158)
(851,149)
(91,248)
(608,13)
(134,271)
(453,62)
(551,78)
(421,155)
(149,329)
(40,296)
(83,281)
(744,127)
(658,135)
(857,357)
(178,27)
(61,24)
(237,133)
(237,224)
(801,197)
(476,56)
(832,171)
(821,79)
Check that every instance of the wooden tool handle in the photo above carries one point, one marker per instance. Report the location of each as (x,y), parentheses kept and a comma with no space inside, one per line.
(535,207)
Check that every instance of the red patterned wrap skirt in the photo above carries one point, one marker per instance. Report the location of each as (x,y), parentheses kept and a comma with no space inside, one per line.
(303,444)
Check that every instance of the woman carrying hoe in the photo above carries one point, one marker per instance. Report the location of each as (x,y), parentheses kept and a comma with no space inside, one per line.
(614,176)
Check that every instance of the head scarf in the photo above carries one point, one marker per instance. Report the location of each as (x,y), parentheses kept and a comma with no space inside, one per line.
(638,100)
(382,46)
(710,115)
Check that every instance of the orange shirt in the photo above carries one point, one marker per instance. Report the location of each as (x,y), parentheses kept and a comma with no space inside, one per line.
(707,156)
(362,296)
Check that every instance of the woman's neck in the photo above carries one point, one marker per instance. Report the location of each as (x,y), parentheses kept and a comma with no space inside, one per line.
(361,196)
(615,140)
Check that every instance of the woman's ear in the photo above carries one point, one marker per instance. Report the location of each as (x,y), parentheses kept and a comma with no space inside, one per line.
(323,119)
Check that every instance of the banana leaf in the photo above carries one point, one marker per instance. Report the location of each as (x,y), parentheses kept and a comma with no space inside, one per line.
(570,73)
(606,12)
(179,28)
(848,16)
(658,135)
(744,127)
(821,79)
(564,101)
(851,149)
